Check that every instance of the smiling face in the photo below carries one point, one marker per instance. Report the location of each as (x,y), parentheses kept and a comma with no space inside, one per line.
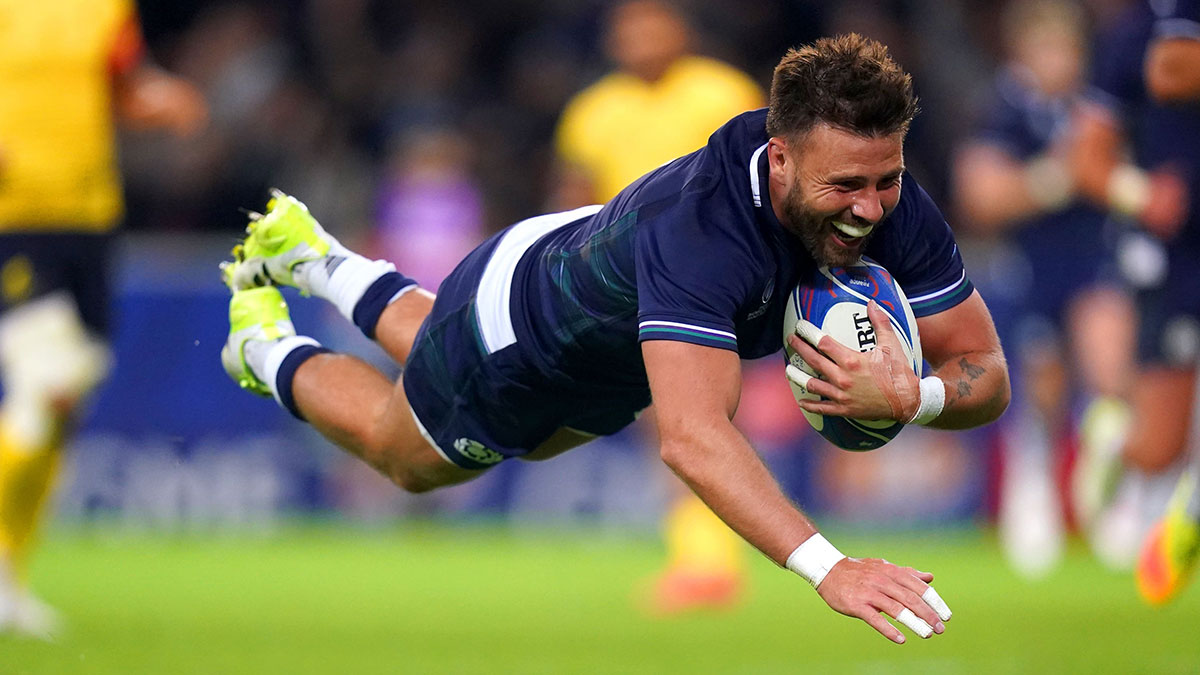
(832,188)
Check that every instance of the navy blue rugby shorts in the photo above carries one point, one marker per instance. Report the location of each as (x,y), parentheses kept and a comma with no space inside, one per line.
(1169,314)
(480,399)
(34,264)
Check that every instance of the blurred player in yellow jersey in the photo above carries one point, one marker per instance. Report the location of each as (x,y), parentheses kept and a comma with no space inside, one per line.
(661,102)
(68,70)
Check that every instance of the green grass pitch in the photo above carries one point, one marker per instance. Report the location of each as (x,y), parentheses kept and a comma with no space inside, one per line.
(489,599)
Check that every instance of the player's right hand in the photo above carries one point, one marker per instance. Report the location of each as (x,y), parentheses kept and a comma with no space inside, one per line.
(865,587)
(875,385)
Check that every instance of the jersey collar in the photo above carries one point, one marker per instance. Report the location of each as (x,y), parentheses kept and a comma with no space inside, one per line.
(760,195)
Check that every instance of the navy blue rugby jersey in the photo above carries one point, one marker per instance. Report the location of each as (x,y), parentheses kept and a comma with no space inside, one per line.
(693,252)
(1160,135)
(1024,123)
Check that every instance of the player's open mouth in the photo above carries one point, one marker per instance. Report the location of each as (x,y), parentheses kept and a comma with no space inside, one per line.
(849,235)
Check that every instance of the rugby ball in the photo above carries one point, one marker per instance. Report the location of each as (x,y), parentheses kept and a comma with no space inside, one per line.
(835,300)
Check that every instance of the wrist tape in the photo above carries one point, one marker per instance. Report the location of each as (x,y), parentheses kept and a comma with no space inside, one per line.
(933,400)
(813,559)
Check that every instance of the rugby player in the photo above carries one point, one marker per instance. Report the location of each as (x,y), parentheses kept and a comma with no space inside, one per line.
(564,326)
(1146,97)
(71,70)
(1063,319)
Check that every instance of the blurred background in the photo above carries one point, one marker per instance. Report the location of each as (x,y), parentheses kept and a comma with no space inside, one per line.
(413,130)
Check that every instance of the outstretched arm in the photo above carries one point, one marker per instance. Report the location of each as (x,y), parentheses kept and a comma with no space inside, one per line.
(148,97)
(695,392)
(1158,198)
(996,191)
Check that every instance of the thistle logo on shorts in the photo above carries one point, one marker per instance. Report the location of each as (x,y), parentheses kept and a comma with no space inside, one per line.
(475,451)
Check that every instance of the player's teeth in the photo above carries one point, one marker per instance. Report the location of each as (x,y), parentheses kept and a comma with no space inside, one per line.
(852,230)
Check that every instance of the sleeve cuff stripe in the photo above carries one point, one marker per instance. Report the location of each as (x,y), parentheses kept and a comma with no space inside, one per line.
(935,305)
(643,326)
(929,297)
(687,331)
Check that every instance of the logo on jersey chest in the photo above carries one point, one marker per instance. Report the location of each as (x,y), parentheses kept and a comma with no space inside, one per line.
(767,293)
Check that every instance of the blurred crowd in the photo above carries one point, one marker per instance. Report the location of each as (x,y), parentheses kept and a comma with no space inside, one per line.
(362,105)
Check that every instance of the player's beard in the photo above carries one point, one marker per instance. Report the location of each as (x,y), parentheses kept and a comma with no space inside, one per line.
(814,230)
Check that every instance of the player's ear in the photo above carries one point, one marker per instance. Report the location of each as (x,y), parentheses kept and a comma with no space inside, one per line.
(779,160)
(777,152)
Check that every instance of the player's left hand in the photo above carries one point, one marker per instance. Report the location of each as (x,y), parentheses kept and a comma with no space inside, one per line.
(874,385)
(868,588)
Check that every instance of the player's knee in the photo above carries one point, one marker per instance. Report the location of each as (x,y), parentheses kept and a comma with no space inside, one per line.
(1154,452)
(412,481)
(1156,459)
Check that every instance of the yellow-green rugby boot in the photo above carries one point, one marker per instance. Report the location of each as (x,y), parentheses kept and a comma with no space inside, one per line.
(254,314)
(278,241)
(1172,550)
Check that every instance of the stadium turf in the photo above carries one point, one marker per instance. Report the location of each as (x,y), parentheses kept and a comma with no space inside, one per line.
(466,599)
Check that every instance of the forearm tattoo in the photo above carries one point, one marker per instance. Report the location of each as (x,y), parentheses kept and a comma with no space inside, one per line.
(962,388)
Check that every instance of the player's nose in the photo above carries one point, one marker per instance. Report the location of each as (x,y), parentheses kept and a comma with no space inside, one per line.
(868,207)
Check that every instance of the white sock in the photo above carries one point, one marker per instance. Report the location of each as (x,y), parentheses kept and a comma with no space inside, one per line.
(270,356)
(256,352)
(1192,508)
(342,280)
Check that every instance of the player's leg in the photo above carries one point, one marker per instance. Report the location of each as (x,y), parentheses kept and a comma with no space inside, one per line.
(1107,498)
(705,561)
(348,401)
(1162,400)
(1030,517)
(49,359)
(1102,324)
(288,247)
(356,407)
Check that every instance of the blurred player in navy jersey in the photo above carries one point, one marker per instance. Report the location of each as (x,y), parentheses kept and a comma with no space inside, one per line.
(565,326)
(1138,153)
(1065,316)
(662,102)
(68,68)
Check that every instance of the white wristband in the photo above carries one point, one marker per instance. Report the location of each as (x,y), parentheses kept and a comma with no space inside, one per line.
(933,399)
(813,559)
(1048,182)
(1128,190)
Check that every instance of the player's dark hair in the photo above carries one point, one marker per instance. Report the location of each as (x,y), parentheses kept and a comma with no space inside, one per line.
(849,82)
